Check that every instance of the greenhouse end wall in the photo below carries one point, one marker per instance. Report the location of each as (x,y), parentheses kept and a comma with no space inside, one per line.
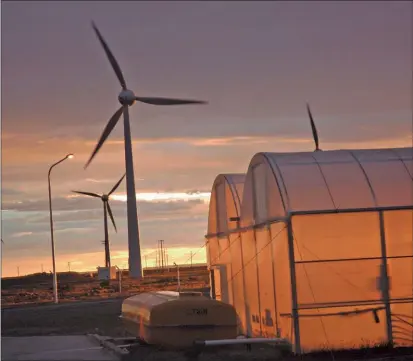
(339,279)
(341,270)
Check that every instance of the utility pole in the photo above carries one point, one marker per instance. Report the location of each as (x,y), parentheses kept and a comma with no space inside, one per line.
(146,261)
(68,265)
(162,253)
(18,271)
(164,256)
(42,267)
(191,258)
(156,258)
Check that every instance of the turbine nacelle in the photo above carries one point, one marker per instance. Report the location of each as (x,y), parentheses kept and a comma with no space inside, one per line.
(105,197)
(127,97)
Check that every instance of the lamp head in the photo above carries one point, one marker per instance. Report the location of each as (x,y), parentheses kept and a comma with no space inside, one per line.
(70,156)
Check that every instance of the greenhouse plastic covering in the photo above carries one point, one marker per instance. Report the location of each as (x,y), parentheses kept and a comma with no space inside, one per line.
(324,233)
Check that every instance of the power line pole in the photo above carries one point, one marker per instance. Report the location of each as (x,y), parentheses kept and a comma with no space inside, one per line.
(157,255)
(156,258)
(68,264)
(146,261)
(162,253)
(164,256)
(18,271)
(191,258)
(42,267)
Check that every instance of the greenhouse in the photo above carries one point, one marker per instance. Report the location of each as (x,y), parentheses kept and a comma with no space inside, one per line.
(317,247)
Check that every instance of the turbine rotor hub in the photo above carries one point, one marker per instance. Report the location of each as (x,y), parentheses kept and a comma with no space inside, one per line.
(105,197)
(127,97)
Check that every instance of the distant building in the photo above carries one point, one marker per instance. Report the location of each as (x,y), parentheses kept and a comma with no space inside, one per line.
(317,233)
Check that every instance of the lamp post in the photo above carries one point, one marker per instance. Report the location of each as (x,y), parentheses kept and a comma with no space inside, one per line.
(179,278)
(120,279)
(56,300)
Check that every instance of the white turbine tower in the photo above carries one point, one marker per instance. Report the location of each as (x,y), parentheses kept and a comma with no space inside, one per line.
(126,99)
(106,210)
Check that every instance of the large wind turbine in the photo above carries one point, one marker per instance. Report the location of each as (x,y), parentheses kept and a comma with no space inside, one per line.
(313,129)
(106,210)
(126,99)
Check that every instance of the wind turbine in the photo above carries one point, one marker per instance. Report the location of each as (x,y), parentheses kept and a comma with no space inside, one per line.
(106,210)
(313,129)
(126,99)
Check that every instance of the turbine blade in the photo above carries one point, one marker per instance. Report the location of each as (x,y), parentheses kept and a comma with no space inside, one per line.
(110,56)
(167,101)
(109,127)
(88,194)
(117,185)
(111,216)
(313,128)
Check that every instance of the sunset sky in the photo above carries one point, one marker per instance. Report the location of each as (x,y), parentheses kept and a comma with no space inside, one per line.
(256,63)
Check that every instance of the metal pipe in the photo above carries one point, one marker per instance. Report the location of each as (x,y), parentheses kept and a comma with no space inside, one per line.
(55,295)
(179,278)
(294,297)
(311,306)
(309,212)
(384,279)
(351,259)
(120,279)
(242,341)
(352,210)
(277,323)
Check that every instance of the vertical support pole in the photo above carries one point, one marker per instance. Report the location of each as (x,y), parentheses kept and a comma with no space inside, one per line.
(274,282)
(248,326)
(230,271)
(212,283)
(294,300)
(105,224)
(179,280)
(384,280)
(161,242)
(258,280)
(134,248)
(55,294)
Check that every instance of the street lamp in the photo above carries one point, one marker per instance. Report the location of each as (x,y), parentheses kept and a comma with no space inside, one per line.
(179,278)
(68,156)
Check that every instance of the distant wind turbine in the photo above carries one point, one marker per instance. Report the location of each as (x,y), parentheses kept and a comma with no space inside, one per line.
(126,99)
(313,129)
(106,210)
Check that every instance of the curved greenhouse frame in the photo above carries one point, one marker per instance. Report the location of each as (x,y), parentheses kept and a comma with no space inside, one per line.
(224,215)
(325,248)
